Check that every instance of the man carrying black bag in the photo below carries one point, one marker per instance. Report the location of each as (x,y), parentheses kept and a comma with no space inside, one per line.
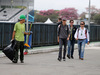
(18,35)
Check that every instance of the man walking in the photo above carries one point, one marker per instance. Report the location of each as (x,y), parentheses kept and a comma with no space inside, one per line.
(18,35)
(71,40)
(63,36)
(82,35)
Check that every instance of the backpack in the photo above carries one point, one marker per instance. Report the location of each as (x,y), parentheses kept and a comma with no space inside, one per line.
(60,28)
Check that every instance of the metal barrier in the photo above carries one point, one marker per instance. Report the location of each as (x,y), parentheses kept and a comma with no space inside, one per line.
(43,34)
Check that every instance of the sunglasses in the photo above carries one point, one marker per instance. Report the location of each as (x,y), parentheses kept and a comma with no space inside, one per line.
(81,24)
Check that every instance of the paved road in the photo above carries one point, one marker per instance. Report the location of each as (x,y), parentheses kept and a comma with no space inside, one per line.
(47,64)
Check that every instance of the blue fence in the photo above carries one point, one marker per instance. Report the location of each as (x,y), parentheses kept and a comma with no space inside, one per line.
(43,34)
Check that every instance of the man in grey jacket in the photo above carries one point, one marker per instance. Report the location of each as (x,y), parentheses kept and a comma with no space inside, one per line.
(63,36)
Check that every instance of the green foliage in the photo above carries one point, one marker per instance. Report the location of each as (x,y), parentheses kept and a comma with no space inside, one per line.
(40,18)
(97,18)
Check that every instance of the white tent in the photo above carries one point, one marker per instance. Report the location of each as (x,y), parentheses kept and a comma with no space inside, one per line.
(48,21)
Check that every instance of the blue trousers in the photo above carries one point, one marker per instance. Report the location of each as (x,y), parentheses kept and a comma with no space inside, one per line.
(71,47)
(81,47)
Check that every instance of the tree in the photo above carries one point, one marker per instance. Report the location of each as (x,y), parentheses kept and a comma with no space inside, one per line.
(52,14)
(82,15)
(69,13)
(97,19)
(47,13)
(40,18)
(93,11)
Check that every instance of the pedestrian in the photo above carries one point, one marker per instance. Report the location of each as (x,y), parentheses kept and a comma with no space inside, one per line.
(82,35)
(59,20)
(71,40)
(18,35)
(63,36)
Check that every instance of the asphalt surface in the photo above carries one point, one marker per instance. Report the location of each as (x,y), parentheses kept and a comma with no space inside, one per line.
(47,64)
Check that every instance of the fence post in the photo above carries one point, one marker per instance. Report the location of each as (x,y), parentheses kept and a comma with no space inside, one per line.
(2,35)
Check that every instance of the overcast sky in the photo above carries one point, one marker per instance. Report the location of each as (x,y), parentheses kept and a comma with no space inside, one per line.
(80,5)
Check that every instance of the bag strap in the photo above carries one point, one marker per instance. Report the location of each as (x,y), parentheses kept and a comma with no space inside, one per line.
(59,28)
(78,32)
(85,33)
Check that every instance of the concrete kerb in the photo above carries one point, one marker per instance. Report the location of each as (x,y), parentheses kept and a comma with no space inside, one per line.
(51,49)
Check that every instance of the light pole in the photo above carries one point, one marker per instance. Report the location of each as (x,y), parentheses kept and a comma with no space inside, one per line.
(89,16)
(11,3)
(27,15)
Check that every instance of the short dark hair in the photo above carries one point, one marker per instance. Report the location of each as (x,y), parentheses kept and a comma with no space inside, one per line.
(83,22)
(59,18)
(71,21)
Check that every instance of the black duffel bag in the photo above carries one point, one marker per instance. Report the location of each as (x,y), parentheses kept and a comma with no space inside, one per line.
(9,50)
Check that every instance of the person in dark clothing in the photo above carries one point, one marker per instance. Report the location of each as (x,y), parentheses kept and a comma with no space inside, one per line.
(59,21)
(63,36)
(71,40)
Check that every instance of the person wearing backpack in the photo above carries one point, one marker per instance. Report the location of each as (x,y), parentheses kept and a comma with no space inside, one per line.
(82,35)
(71,40)
(63,36)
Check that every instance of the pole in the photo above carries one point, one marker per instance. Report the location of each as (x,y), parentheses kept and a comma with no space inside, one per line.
(0,3)
(33,4)
(89,16)
(27,15)
(11,3)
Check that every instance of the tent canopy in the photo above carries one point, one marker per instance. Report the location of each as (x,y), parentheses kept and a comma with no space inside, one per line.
(48,21)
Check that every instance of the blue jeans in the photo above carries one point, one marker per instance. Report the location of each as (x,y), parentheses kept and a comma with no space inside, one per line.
(71,47)
(62,42)
(81,47)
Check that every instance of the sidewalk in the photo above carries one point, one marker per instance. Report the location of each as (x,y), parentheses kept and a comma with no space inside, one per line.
(46,49)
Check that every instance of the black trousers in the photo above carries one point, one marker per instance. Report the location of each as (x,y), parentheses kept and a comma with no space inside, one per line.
(19,46)
(62,42)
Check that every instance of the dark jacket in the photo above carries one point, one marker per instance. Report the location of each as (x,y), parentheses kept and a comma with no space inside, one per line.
(59,23)
(63,31)
(73,33)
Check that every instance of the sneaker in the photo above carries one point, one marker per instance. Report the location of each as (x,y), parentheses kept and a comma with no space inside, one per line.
(64,59)
(68,56)
(14,61)
(59,59)
(79,57)
(82,59)
(72,57)
(22,61)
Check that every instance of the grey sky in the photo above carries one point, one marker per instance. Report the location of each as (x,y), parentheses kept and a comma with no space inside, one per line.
(80,5)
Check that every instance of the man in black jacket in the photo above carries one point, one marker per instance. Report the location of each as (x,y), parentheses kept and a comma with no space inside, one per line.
(71,40)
